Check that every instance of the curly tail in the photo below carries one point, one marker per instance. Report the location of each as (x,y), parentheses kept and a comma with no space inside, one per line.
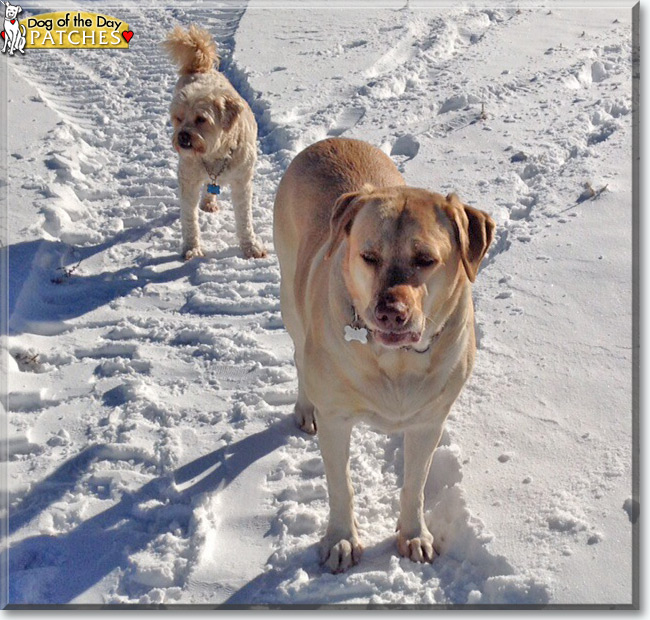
(193,50)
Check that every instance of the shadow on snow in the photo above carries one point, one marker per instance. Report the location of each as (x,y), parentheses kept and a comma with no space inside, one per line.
(70,564)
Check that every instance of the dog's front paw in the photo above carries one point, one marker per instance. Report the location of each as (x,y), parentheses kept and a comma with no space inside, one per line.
(418,548)
(339,553)
(193,253)
(253,249)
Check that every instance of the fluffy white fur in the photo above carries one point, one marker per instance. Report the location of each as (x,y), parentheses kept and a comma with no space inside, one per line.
(213,128)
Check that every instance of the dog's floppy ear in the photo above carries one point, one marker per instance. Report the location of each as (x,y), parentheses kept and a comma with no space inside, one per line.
(228,109)
(474,230)
(345,210)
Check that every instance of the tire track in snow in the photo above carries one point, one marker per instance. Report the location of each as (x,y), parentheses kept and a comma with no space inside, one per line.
(466,572)
(532,196)
(128,291)
(121,290)
(154,567)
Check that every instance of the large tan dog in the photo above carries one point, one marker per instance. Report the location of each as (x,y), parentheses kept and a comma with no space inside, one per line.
(215,135)
(376,295)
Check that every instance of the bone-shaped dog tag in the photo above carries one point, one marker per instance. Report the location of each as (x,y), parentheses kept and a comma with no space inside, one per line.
(358,334)
(213,188)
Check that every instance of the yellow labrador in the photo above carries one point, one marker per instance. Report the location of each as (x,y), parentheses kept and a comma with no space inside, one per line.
(376,295)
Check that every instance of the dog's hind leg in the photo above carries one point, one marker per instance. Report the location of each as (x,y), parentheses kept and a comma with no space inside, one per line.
(304,409)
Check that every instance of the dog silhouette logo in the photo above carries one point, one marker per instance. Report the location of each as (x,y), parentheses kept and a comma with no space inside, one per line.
(13,31)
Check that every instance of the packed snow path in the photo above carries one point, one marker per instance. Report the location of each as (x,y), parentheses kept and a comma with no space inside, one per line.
(152,453)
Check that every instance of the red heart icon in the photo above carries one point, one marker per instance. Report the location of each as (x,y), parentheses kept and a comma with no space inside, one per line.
(13,21)
(127,34)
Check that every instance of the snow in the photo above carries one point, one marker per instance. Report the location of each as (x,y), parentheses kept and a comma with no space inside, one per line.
(152,458)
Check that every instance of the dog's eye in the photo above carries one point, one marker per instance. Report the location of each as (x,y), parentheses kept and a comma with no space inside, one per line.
(370,259)
(200,120)
(178,119)
(424,260)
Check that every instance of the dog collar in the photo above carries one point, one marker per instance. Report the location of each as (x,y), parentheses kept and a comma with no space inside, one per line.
(357,331)
(213,187)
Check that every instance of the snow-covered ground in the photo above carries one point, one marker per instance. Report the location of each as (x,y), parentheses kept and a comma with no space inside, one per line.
(151,455)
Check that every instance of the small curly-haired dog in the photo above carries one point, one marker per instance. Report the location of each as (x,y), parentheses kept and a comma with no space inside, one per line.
(215,135)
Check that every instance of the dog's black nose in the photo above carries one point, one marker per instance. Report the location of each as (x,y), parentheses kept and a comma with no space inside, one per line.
(184,140)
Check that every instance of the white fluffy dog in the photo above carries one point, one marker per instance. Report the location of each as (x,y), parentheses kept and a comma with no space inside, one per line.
(215,135)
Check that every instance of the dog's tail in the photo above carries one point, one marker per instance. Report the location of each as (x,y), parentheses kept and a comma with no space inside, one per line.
(193,50)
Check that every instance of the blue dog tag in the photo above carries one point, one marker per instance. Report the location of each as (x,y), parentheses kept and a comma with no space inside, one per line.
(214,189)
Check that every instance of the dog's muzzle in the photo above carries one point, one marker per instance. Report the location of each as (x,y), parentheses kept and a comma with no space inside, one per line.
(391,314)
(394,324)
(184,140)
